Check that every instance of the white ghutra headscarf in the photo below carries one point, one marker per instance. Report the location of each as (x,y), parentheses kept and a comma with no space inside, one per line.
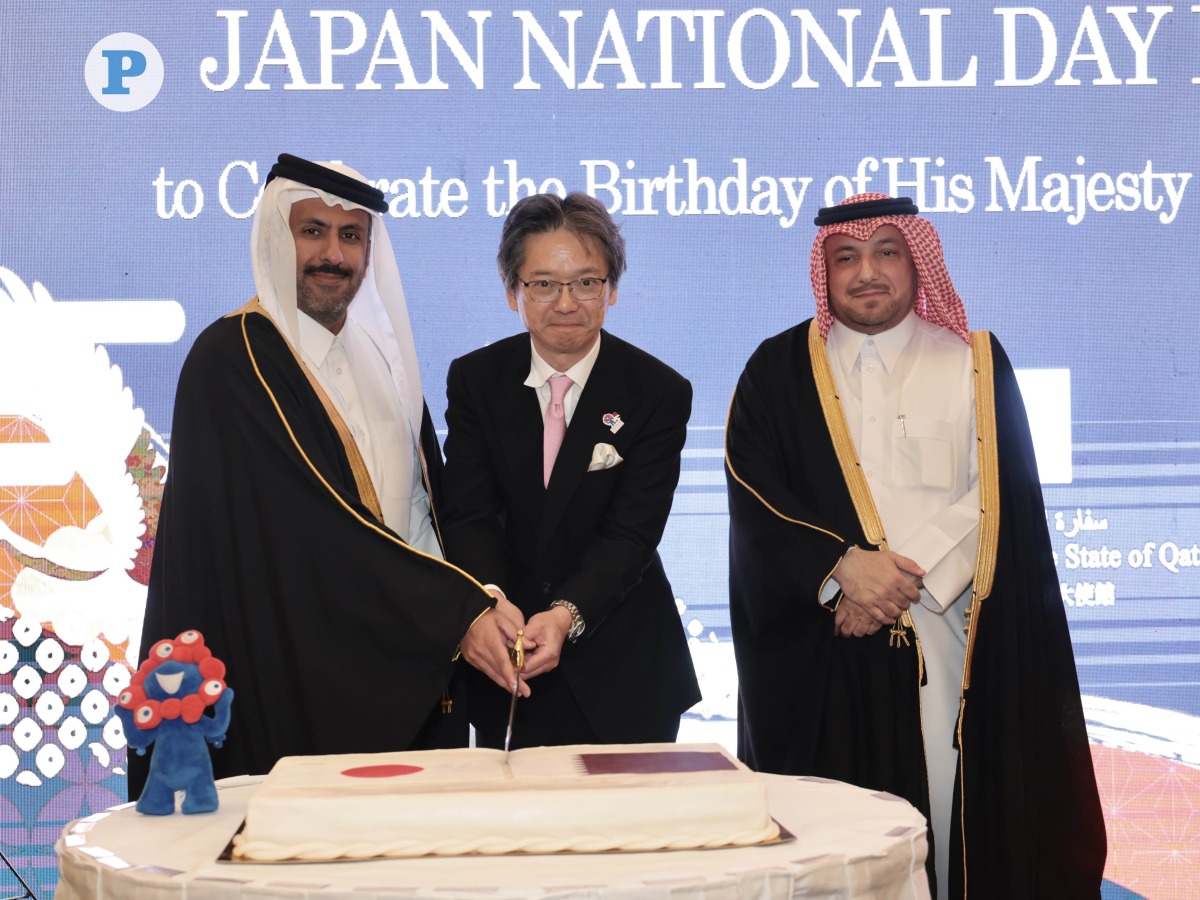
(379,307)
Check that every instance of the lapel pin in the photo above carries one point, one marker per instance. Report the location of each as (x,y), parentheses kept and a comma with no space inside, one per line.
(613,421)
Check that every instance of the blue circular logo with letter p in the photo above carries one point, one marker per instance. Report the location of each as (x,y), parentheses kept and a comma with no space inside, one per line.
(123,72)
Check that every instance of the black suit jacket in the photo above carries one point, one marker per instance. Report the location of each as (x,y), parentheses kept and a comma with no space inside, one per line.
(588,537)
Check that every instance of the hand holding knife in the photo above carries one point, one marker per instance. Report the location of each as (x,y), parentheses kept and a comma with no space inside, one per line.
(517,654)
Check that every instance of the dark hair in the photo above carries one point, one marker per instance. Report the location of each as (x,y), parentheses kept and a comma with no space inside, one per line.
(582,215)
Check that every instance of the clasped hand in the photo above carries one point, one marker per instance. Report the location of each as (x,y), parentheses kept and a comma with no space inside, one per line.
(877,587)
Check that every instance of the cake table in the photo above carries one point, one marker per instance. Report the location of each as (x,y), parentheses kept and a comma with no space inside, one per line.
(849,842)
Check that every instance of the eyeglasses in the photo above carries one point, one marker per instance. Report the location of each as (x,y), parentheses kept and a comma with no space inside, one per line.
(545,290)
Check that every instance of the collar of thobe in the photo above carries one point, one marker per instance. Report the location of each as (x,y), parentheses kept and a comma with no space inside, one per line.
(846,343)
(315,339)
(541,371)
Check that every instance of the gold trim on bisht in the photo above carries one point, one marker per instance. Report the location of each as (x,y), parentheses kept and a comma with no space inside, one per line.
(852,473)
(759,497)
(362,477)
(989,488)
(988,464)
(255,307)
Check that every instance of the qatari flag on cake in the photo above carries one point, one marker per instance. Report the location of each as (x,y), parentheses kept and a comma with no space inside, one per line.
(653,762)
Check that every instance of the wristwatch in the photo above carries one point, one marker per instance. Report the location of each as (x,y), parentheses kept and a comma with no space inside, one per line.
(577,623)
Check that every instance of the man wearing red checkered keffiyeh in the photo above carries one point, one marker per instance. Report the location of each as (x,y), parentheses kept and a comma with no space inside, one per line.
(896,614)
(937,302)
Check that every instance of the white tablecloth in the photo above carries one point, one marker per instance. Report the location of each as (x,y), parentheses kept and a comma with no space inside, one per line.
(849,843)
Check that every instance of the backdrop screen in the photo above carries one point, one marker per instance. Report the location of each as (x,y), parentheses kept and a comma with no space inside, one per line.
(1053,146)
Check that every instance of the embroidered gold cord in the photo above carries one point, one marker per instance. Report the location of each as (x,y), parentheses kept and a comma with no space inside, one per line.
(989,489)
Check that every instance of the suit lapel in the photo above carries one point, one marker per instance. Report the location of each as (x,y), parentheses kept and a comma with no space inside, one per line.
(608,389)
(515,408)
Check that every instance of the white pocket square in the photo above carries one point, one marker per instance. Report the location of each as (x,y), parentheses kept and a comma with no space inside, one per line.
(604,456)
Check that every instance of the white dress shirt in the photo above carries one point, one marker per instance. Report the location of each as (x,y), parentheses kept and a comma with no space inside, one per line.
(357,378)
(540,373)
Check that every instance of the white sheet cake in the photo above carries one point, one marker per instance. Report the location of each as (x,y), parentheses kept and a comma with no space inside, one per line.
(585,798)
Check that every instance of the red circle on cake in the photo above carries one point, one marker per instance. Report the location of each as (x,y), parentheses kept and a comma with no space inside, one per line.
(380,771)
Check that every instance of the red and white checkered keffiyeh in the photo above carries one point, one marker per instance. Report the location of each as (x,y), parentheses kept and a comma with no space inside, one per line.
(937,302)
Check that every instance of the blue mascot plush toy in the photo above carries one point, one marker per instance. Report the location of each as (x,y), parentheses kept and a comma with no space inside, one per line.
(164,705)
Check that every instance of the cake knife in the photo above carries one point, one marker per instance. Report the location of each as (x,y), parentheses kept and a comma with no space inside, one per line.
(518,660)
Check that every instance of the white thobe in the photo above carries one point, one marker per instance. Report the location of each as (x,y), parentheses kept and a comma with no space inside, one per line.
(358,379)
(908,395)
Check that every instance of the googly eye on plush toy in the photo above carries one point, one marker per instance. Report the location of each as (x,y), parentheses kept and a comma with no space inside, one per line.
(148,715)
(211,690)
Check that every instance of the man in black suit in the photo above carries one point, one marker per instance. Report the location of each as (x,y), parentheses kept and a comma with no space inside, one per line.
(562,523)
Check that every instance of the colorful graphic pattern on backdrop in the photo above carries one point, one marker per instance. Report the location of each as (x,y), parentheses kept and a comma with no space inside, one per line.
(77,519)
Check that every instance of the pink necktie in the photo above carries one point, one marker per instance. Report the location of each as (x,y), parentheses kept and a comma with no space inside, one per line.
(556,424)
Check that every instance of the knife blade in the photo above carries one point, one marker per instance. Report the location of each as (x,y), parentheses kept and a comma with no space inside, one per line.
(517,653)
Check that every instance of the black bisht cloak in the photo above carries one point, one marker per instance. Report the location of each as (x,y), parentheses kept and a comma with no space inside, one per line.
(1028,819)
(337,636)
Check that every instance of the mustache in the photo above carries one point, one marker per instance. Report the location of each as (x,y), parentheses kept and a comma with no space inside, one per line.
(328,269)
(854,292)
